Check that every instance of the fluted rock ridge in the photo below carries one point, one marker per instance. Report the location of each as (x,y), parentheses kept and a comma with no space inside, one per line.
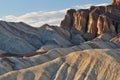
(116,2)
(86,65)
(93,21)
(20,38)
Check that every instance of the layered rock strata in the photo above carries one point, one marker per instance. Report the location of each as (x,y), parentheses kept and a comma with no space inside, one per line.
(86,65)
(11,62)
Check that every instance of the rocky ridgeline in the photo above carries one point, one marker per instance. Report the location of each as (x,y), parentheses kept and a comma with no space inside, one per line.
(116,2)
(20,38)
(85,47)
(93,21)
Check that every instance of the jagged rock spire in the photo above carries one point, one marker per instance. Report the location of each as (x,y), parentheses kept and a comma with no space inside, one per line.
(116,2)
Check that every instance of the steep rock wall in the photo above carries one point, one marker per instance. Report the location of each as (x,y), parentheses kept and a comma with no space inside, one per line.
(93,21)
(116,2)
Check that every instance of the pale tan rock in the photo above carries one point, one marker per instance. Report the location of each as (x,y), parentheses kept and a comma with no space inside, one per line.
(10,63)
(87,64)
(94,21)
(92,26)
(80,22)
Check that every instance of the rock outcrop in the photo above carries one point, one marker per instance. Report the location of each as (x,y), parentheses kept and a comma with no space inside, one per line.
(116,2)
(67,23)
(94,21)
(85,47)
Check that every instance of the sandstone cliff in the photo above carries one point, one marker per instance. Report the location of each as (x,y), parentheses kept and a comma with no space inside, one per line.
(93,21)
(116,2)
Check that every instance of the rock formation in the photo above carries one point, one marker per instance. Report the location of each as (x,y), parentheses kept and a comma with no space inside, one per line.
(20,38)
(67,23)
(85,47)
(15,62)
(116,2)
(94,21)
(86,64)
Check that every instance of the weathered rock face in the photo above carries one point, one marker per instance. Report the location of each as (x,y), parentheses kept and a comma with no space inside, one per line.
(67,23)
(95,21)
(15,62)
(116,2)
(55,53)
(80,20)
(93,64)
(20,38)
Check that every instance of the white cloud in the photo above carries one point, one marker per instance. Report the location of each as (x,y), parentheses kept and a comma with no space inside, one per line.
(88,5)
(83,6)
(102,4)
(41,17)
(38,18)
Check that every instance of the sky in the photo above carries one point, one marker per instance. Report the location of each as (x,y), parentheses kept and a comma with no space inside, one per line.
(39,12)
